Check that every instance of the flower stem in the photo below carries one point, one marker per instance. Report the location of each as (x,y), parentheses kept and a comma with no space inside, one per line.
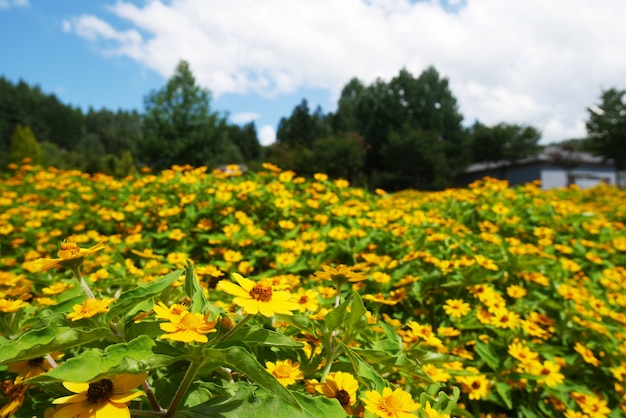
(82,282)
(153,400)
(51,361)
(234,329)
(190,375)
(329,363)
(136,412)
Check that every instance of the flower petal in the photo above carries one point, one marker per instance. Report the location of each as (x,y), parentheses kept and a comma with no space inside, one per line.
(127,381)
(76,387)
(232,289)
(246,284)
(76,398)
(124,397)
(73,410)
(111,410)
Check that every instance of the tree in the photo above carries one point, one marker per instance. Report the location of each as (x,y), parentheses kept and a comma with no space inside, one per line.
(246,139)
(414,158)
(503,143)
(340,156)
(404,103)
(118,131)
(606,127)
(179,126)
(24,145)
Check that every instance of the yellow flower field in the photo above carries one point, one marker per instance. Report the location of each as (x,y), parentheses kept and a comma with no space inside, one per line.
(191,293)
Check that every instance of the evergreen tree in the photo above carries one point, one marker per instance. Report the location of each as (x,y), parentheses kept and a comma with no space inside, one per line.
(179,127)
(606,127)
(24,145)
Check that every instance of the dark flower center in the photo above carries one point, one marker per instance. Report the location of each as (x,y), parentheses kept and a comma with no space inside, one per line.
(343,397)
(100,390)
(261,292)
(36,362)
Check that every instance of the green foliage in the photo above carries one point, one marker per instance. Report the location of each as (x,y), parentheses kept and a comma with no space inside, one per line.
(382,110)
(503,143)
(606,127)
(340,156)
(179,127)
(414,158)
(50,155)
(24,145)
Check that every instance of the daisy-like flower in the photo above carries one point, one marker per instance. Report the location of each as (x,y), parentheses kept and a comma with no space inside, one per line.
(340,274)
(90,307)
(14,391)
(457,308)
(70,255)
(391,404)
(9,305)
(586,354)
(477,387)
(433,413)
(285,371)
(188,327)
(548,371)
(33,367)
(163,312)
(341,386)
(307,299)
(259,297)
(103,398)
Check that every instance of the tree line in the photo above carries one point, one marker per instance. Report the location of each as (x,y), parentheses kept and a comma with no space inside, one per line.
(403,133)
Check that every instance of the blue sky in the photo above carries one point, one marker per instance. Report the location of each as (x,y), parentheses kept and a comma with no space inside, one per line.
(531,62)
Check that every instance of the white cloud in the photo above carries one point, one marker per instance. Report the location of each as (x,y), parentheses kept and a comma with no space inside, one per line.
(538,62)
(267,135)
(244,117)
(7,4)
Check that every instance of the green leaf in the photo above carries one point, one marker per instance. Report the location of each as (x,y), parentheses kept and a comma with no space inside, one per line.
(255,335)
(504,391)
(199,303)
(241,360)
(136,356)
(364,370)
(249,401)
(357,310)
(487,354)
(336,317)
(134,296)
(46,336)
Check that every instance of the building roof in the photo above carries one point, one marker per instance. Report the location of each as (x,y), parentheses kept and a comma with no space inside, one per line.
(550,154)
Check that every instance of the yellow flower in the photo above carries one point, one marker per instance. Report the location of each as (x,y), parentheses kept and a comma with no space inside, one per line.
(9,305)
(307,299)
(522,353)
(258,297)
(433,413)
(476,386)
(31,368)
(70,255)
(103,398)
(548,371)
(586,354)
(187,327)
(284,371)
(516,291)
(163,312)
(14,392)
(391,404)
(341,386)
(90,307)
(456,308)
(340,274)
